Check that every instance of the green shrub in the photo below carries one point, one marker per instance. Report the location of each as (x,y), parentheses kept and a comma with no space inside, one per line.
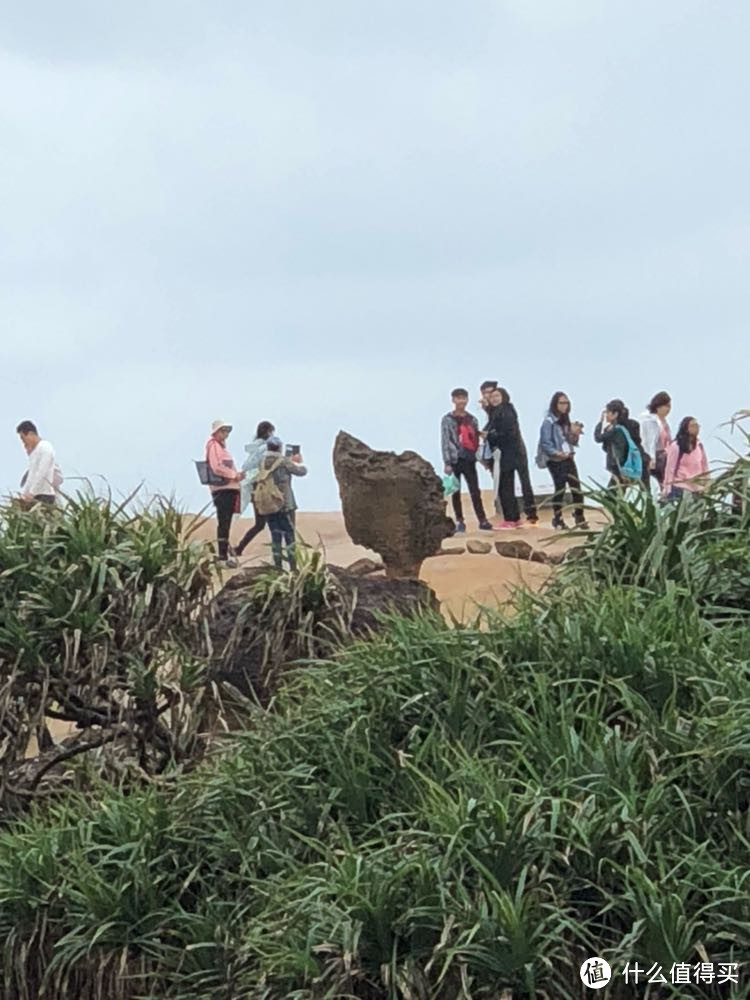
(438,813)
(99,625)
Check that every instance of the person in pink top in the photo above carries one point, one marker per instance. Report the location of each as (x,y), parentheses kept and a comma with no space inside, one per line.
(225,490)
(687,466)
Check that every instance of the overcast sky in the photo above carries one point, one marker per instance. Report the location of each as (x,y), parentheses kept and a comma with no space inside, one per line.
(328,214)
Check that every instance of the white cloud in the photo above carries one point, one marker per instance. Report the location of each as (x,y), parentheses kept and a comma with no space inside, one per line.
(332,213)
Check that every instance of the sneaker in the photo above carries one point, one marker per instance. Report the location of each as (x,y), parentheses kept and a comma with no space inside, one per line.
(558,524)
(460,528)
(485,526)
(508,525)
(582,525)
(532,519)
(230,563)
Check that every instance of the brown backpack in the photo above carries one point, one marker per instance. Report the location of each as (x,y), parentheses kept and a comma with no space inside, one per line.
(267,497)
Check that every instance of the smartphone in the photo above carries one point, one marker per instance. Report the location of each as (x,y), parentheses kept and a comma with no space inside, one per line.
(292,449)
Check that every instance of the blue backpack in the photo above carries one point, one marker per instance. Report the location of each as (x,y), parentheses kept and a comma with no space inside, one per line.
(632,467)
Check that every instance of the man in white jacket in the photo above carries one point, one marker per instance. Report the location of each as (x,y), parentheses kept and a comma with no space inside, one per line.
(43,477)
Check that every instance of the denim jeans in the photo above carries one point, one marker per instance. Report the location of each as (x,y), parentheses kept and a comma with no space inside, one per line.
(281,529)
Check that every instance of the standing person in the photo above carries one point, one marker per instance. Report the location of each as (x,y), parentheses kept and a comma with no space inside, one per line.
(459,438)
(558,440)
(620,438)
(686,470)
(43,478)
(504,436)
(485,390)
(255,452)
(485,452)
(226,491)
(274,498)
(655,434)
(522,468)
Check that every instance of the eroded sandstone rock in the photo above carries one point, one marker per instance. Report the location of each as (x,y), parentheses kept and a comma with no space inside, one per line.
(392,504)
(364,567)
(258,629)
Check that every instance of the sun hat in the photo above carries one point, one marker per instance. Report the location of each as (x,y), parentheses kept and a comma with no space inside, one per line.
(218,424)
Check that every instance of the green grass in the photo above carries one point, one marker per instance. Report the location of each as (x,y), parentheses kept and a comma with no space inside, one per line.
(438,813)
(100,625)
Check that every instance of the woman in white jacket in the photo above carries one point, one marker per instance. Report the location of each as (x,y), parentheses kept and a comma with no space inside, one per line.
(255,452)
(655,434)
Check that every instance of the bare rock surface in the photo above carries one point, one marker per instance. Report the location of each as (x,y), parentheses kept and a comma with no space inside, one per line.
(522,550)
(365,566)
(516,549)
(477,547)
(256,629)
(392,504)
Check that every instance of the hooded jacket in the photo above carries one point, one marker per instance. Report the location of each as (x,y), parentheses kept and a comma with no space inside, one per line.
(449,439)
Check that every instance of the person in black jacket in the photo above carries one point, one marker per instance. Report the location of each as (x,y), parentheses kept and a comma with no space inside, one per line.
(504,434)
(615,445)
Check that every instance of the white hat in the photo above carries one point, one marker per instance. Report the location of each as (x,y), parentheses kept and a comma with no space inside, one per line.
(218,424)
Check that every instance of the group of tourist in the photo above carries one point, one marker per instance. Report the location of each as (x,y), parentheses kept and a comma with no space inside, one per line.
(464,443)
(265,482)
(638,452)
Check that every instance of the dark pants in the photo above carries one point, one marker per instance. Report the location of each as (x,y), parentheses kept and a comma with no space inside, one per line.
(225,502)
(467,467)
(564,474)
(507,491)
(529,503)
(281,531)
(250,534)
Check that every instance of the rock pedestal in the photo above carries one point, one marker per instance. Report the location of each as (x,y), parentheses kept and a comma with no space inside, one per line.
(392,504)
(254,638)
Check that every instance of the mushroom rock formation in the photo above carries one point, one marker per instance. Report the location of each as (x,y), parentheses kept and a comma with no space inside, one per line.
(392,504)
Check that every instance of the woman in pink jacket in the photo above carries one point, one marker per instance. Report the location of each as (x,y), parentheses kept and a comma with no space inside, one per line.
(225,490)
(687,466)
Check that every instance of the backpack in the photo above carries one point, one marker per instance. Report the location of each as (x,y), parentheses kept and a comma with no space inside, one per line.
(632,467)
(467,435)
(267,497)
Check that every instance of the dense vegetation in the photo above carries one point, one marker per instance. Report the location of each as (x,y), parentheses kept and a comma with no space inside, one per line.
(440,812)
(101,610)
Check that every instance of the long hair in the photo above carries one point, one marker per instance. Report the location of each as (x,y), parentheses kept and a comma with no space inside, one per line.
(685,441)
(563,419)
(265,430)
(620,410)
(504,393)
